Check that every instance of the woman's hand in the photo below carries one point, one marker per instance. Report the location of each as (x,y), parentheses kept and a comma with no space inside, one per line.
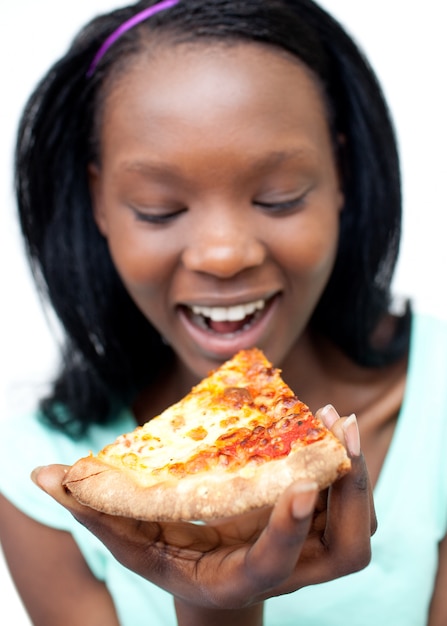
(306,538)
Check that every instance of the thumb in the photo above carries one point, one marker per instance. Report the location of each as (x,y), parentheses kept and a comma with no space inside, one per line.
(49,478)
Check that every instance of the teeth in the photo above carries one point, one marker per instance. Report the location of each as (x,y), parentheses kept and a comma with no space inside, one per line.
(230,313)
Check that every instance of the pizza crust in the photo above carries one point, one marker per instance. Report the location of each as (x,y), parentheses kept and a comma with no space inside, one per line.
(207,495)
(233,444)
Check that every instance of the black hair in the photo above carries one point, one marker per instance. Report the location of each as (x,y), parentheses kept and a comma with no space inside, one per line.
(110,351)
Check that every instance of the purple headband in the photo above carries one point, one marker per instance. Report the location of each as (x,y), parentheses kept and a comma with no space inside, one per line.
(130,23)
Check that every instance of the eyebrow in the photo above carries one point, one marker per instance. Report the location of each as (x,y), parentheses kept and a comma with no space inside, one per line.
(148,168)
(171,170)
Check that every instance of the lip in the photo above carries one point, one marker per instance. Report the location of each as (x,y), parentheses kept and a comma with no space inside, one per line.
(227,300)
(224,346)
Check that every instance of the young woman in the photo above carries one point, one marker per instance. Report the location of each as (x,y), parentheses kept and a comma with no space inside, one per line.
(181,163)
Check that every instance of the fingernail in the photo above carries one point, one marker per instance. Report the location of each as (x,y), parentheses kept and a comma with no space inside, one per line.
(329,415)
(352,435)
(304,499)
(35,473)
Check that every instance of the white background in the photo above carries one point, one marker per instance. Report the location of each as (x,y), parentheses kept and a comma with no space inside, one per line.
(406,44)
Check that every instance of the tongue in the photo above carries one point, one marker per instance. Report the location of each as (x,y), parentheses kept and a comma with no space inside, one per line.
(226,327)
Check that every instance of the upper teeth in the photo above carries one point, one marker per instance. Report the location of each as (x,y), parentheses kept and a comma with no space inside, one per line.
(230,313)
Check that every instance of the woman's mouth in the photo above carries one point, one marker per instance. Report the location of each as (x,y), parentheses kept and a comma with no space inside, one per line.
(227,320)
(221,331)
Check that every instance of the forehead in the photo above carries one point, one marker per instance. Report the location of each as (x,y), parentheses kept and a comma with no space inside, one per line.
(215,90)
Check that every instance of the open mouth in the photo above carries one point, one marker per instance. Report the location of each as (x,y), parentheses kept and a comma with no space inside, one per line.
(227,320)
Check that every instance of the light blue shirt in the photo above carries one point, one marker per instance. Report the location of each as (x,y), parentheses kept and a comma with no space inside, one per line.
(410,499)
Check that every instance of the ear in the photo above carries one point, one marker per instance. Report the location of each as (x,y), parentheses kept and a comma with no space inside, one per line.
(94,180)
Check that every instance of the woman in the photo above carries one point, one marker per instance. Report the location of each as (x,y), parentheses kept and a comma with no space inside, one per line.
(213,156)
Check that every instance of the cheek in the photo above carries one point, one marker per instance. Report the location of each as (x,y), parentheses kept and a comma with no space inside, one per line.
(309,250)
(142,261)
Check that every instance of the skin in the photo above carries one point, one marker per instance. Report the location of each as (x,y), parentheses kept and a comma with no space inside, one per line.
(209,141)
(221,238)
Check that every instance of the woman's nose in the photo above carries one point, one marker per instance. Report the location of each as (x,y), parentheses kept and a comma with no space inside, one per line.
(223,247)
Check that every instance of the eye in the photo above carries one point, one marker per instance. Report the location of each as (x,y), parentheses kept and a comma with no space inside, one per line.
(285,206)
(155,215)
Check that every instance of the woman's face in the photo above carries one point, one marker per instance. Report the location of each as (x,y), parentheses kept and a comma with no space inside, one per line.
(219,197)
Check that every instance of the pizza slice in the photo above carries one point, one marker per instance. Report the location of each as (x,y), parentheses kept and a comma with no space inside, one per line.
(231,445)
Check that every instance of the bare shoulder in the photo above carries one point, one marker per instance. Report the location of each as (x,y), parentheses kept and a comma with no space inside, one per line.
(46,565)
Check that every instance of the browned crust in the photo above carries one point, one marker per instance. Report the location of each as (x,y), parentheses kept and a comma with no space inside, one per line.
(207,495)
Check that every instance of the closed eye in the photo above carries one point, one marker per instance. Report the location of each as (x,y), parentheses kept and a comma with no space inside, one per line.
(154,217)
(282,207)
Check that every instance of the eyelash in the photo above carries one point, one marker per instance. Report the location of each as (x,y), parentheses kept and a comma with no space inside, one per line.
(283,207)
(141,216)
(274,207)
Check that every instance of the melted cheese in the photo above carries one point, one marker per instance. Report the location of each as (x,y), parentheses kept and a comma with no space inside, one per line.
(225,420)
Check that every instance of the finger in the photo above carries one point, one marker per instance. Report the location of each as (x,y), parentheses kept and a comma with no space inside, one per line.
(332,420)
(328,415)
(49,479)
(350,433)
(351,518)
(126,538)
(274,555)
(346,430)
